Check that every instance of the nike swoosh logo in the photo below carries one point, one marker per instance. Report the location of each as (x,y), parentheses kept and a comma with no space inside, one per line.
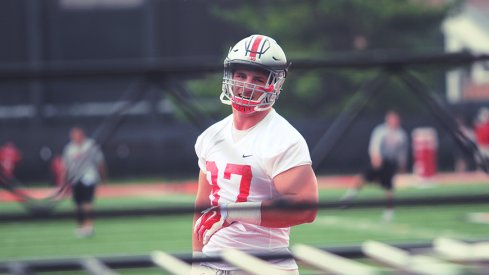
(246,156)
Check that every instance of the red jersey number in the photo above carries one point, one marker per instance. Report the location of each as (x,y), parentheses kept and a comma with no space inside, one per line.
(231,169)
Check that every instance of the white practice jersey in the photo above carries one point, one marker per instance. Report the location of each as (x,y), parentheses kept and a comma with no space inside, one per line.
(240,166)
(81,162)
(390,144)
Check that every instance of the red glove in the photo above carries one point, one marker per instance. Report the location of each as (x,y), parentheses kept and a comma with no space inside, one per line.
(212,219)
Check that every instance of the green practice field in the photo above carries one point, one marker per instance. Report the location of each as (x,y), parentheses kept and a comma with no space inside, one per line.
(339,227)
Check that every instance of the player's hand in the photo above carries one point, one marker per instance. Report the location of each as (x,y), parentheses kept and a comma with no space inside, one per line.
(212,219)
(376,161)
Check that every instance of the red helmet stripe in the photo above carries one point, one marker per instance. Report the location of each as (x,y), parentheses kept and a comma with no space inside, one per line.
(254,47)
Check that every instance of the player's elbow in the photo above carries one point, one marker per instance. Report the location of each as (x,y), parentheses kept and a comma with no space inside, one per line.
(312,210)
(297,217)
(310,215)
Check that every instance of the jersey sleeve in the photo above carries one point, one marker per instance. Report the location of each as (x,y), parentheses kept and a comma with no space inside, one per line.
(199,146)
(65,155)
(206,140)
(293,155)
(93,152)
(99,156)
(376,140)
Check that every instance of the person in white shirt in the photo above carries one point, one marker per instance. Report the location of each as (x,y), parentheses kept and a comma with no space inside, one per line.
(252,159)
(388,154)
(84,169)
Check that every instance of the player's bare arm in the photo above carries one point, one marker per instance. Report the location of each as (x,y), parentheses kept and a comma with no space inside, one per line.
(297,186)
(201,202)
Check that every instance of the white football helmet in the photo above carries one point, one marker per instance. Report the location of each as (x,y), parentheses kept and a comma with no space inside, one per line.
(257,52)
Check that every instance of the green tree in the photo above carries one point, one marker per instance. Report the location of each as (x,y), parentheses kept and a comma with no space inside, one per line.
(315,29)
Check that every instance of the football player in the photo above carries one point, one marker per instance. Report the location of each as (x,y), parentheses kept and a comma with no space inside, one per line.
(85,168)
(387,150)
(250,161)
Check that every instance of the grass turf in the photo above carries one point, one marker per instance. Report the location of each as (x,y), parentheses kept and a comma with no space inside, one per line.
(140,235)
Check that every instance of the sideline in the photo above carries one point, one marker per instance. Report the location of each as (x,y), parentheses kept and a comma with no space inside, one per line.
(190,186)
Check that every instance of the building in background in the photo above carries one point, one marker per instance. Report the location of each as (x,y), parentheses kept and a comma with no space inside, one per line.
(468,30)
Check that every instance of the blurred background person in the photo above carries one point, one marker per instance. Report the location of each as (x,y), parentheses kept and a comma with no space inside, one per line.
(58,170)
(10,156)
(388,149)
(85,169)
(481,129)
(461,160)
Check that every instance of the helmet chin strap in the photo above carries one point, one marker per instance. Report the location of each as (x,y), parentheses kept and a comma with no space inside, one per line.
(243,109)
(249,109)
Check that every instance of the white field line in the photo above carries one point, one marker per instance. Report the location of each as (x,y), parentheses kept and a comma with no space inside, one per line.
(393,229)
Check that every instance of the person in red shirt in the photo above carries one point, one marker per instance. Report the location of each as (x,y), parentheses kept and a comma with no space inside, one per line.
(58,170)
(10,157)
(481,130)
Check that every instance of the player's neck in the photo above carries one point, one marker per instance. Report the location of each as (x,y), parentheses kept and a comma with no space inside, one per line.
(246,121)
